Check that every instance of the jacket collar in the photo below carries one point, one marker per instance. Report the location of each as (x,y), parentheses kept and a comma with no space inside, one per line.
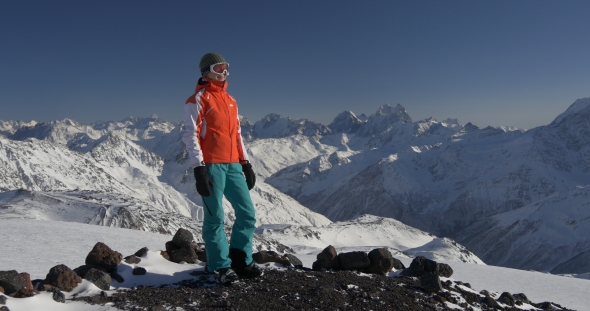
(210,85)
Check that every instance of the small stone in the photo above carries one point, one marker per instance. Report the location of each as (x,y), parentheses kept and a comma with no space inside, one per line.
(522,297)
(117,277)
(296,262)
(2,300)
(132,260)
(507,298)
(139,271)
(430,282)
(142,252)
(492,303)
(444,270)
(58,296)
(439,298)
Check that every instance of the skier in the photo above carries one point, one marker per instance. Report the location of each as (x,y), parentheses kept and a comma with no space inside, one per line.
(221,167)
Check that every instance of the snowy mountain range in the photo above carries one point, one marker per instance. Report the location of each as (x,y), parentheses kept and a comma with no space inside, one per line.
(495,190)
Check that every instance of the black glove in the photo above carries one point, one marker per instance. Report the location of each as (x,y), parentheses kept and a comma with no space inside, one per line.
(250,176)
(203,182)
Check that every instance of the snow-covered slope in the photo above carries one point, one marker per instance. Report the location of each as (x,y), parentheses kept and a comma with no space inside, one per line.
(552,234)
(370,231)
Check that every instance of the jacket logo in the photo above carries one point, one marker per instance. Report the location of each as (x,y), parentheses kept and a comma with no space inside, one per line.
(231,105)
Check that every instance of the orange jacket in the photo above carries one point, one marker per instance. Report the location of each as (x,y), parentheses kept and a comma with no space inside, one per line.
(212,132)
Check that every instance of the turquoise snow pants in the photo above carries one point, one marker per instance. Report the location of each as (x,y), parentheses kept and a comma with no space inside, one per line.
(228,180)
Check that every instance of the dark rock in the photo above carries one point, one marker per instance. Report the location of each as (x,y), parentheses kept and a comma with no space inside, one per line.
(11,281)
(381,261)
(27,279)
(58,296)
(104,294)
(316,267)
(430,282)
(420,266)
(522,297)
(117,277)
(195,247)
(37,283)
(157,308)
(25,293)
(2,300)
(353,261)
(488,300)
(165,255)
(132,259)
(328,258)
(507,298)
(444,270)
(82,270)
(546,305)
(270,256)
(467,285)
(295,262)
(142,252)
(439,298)
(202,255)
(183,238)
(139,271)
(104,256)
(63,278)
(183,254)
(4,308)
(170,246)
(99,278)
(2,290)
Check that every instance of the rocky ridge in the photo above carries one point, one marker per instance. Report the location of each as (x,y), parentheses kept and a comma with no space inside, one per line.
(354,280)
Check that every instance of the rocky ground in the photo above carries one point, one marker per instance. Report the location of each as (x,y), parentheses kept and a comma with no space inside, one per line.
(296,289)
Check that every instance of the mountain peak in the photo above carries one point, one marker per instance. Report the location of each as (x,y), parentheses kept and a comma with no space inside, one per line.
(578,106)
(345,122)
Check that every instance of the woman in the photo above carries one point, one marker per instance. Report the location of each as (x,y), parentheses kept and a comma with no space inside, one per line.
(216,151)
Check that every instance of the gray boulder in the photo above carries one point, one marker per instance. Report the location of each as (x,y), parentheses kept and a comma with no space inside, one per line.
(99,278)
(328,259)
(353,261)
(381,261)
(11,281)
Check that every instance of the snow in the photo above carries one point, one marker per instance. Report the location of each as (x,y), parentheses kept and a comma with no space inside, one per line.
(35,246)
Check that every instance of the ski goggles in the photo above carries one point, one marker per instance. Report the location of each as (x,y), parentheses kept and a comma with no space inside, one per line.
(220,68)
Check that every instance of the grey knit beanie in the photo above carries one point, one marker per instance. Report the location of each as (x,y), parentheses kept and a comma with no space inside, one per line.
(208,60)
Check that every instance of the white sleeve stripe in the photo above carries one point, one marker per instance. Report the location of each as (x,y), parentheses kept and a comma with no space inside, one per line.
(189,136)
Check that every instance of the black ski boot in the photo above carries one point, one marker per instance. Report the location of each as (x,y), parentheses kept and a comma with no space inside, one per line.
(238,264)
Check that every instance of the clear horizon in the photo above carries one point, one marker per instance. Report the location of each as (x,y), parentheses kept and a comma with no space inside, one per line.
(500,63)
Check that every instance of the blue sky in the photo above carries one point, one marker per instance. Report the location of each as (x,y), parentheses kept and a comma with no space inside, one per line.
(517,63)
